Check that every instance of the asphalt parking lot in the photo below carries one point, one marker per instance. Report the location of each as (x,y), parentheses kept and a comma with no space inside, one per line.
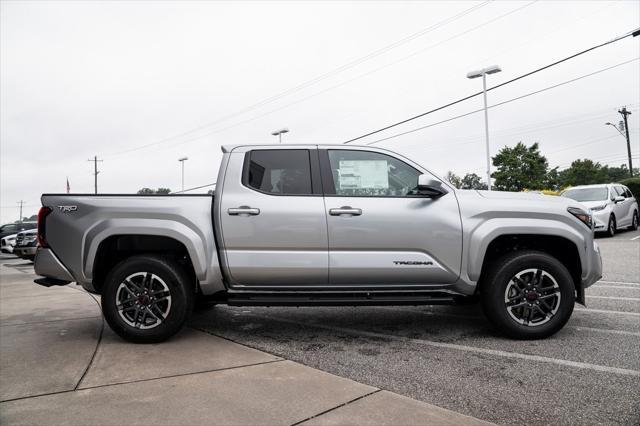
(588,373)
(448,356)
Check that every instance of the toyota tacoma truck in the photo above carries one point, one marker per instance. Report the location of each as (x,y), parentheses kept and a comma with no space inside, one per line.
(312,225)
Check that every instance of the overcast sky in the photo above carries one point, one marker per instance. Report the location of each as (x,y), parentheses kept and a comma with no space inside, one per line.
(140,84)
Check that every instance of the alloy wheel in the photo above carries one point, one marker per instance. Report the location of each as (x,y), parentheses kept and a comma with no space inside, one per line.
(532,297)
(143,300)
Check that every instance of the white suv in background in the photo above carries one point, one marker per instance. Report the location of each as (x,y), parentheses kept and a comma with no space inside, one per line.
(613,206)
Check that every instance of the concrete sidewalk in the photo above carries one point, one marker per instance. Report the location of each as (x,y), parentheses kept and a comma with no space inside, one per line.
(60,365)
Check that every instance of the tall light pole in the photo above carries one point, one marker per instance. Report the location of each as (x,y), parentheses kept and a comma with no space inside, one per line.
(483,73)
(182,160)
(279,133)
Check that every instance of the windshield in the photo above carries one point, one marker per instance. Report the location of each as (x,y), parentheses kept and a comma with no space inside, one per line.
(587,194)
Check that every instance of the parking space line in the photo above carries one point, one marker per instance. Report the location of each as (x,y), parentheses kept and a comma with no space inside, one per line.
(634,238)
(618,286)
(606,311)
(606,330)
(465,348)
(633,299)
(618,282)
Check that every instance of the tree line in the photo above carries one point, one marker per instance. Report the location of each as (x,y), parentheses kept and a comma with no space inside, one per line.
(523,167)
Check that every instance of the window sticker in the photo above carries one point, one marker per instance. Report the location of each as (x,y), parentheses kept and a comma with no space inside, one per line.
(369,174)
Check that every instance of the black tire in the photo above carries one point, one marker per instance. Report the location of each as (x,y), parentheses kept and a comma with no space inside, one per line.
(499,282)
(634,221)
(611,227)
(166,277)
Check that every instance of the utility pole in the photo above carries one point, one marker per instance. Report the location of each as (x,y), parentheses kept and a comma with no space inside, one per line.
(625,113)
(21,203)
(95,172)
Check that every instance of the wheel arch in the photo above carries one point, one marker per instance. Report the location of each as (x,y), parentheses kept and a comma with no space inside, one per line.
(561,248)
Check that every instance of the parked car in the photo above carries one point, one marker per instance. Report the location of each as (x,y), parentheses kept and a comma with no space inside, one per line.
(613,206)
(321,225)
(26,244)
(7,243)
(14,228)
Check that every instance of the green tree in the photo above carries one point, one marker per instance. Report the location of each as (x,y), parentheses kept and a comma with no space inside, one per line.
(519,168)
(616,174)
(453,179)
(584,172)
(148,191)
(472,181)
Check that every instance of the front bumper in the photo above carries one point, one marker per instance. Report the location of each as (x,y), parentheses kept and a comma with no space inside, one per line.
(25,251)
(601,219)
(594,272)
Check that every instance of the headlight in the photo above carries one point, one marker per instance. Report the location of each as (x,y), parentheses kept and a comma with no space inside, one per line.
(598,208)
(583,216)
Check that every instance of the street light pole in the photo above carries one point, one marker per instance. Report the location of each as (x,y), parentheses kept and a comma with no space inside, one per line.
(182,160)
(483,73)
(279,133)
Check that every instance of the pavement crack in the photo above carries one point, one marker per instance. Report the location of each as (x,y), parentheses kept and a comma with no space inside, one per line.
(95,351)
(336,407)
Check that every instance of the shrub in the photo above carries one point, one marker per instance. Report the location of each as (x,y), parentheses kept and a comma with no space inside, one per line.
(634,185)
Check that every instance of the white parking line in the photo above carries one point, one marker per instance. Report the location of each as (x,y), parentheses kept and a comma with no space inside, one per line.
(633,299)
(605,330)
(634,238)
(617,286)
(617,282)
(606,311)
(465,348)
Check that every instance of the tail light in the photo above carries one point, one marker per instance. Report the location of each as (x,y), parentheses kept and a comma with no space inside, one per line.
(42,226)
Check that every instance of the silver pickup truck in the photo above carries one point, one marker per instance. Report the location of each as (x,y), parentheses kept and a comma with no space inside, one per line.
(320,225)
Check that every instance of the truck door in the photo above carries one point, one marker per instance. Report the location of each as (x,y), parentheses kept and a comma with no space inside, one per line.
(272,219)
(380,230)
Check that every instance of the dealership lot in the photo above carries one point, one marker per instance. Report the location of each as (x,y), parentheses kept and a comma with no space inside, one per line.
(447,356)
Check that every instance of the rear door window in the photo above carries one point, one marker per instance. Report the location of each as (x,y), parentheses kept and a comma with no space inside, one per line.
(279,171)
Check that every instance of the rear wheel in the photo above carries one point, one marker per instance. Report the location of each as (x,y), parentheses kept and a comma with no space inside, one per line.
(147,299)
(634,221)
(528,295)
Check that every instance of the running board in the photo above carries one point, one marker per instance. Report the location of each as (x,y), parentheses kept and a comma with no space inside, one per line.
(337,300)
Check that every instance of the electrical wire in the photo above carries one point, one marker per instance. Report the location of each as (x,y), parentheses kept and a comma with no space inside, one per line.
(317,79)
(504,102)
(520,77)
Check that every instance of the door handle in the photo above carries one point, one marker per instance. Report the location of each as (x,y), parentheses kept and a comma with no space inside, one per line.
(345,210)
(243,211)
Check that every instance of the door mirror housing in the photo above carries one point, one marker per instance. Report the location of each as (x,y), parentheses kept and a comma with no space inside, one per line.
(430,187)
(618,199)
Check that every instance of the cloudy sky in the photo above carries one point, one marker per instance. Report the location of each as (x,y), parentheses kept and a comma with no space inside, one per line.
(140,84)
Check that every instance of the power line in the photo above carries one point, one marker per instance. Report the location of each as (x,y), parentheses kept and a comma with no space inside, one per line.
(631,33)
(321,77)
(195,187)
(501,103)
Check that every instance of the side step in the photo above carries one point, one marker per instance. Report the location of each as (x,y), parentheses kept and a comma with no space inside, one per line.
(338,299)
(50,282)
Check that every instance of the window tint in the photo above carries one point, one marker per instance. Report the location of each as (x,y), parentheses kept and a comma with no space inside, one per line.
(627,193)
(370,174)
(283,172)
(9,228)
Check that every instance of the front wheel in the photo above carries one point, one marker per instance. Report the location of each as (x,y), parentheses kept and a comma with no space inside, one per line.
(634,221)
(147,299)
(611,227)
(528,295)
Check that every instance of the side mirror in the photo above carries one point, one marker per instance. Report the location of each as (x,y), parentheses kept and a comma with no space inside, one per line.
(618,199)
(430,187)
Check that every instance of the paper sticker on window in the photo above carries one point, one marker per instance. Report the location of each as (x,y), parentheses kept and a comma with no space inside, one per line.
(363,174)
